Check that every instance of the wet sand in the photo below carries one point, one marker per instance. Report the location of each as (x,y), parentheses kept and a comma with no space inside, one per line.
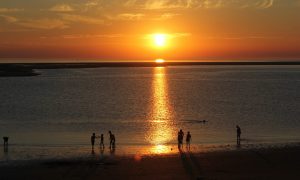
(263,163)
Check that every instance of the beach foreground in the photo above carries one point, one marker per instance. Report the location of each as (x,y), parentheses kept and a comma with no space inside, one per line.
(263,163)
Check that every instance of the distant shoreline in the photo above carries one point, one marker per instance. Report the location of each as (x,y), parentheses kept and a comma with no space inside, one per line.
(27,69)
(136,64)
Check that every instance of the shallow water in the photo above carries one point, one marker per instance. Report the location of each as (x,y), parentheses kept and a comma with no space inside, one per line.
(146,107)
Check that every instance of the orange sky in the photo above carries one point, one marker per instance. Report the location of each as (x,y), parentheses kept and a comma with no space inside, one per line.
(121,29)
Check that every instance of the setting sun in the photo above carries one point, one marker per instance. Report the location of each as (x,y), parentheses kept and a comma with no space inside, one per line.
(159,40)
(159,60)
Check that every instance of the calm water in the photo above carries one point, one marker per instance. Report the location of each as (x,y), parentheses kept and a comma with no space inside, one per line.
(147,106)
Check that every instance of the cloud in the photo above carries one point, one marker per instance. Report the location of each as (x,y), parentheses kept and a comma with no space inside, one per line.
(166,16)
(179,35)
(8,10)
(92,3)
(9,19)
(260,4)
(266,4)
(80,36)
(44,23)
(232,37)
(170,35)
(141,16)
(164,4)
(128,17)
(183,4)
(81,19)
(62,8)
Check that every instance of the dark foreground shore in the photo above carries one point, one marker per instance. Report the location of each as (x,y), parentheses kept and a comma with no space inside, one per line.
(268,163)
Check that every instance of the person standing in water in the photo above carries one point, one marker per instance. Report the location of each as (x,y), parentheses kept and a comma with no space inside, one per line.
(238,135)
(93,137)
(180,138)
(111,139)
(188,140)
(102,141)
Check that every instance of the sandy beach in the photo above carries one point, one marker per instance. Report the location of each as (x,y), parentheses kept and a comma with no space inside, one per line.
(262,163)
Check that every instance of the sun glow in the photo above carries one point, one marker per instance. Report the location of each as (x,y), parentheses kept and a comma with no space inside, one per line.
(160,40)
(159,61)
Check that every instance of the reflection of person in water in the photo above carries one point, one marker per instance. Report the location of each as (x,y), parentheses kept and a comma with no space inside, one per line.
(93,137)
(188,140)
(112,151)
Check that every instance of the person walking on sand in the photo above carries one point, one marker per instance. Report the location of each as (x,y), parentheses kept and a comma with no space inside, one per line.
(93,137)
(238,135)
(102,141)
(188,140)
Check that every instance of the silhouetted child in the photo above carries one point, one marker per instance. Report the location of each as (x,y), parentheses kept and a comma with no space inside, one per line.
(188,140)
(102,141)
(238,135)
(93,137)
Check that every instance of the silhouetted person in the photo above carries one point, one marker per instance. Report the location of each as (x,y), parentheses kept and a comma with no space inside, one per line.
(188,140)
(93,137)
(102,141)
(5,139)
(110,139)
(182,133)
(5,143)
(113,141)
(180,138)
(238,135)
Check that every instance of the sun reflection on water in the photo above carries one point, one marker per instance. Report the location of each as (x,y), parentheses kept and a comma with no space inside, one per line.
(161,131)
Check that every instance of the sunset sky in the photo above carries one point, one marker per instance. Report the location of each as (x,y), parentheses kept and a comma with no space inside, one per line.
(124,29)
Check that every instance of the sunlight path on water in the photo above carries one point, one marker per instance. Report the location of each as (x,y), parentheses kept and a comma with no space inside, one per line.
(160,121)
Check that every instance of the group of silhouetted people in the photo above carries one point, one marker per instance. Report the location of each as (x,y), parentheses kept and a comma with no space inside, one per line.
(112,140)
(180,138)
